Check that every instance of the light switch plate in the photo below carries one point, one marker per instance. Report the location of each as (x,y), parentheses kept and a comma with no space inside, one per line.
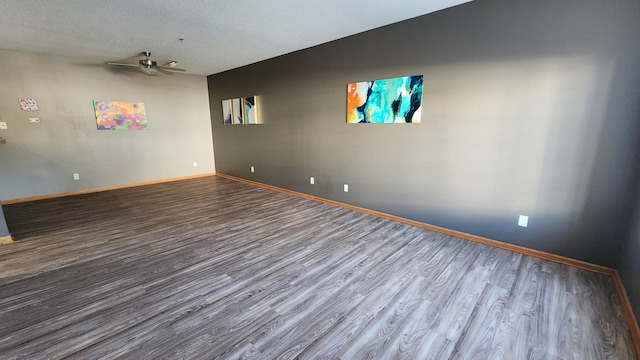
(523,221)
(3,125)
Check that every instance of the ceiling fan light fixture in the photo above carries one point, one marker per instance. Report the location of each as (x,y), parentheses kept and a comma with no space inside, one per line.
(148,70)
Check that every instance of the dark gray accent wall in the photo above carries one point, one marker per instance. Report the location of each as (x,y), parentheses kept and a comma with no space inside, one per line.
(529,108)
(629,265)
(4,231)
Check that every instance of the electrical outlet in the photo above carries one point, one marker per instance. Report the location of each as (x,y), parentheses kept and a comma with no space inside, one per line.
(34,120)
(253,169)
(76,176)
(312,180)
(523,221)
(3,125)
(346,188)
(195,164)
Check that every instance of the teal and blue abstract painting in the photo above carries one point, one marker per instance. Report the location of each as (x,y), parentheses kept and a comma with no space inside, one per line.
(397,100)
(237,109)
(250,110)
(227,114)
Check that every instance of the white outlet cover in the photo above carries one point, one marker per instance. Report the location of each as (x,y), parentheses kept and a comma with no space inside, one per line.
(3,125)
(312,180)
(76,176)
(253,169)
(34,120)
(195,164)
(346,188)
(523,221)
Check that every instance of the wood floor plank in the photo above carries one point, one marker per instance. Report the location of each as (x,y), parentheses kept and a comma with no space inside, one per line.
(476,339)
(214,269)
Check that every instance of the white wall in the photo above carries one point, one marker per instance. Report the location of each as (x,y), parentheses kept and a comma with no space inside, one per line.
(41,158)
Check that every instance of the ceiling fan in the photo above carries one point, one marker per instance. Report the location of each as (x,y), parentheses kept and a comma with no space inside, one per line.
(150,67)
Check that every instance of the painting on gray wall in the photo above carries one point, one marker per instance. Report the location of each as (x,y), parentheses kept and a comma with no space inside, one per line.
(227,114)
(120,115)
(250,110)
(385,101)
(238,114)
(241,110)
(28,104)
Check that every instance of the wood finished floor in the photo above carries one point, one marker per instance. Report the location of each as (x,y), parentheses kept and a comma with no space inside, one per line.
(211,268)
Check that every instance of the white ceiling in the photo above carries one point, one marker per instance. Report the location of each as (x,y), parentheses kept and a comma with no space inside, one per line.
(218,34)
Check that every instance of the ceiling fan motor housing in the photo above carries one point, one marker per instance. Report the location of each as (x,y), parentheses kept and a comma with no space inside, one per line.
(148,63)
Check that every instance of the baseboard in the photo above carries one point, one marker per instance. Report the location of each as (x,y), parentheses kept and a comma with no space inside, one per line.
(6,239)
(479,239)
(101,189)
(627,309)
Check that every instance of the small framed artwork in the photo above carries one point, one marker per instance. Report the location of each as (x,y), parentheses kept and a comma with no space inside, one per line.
(28,104)
(242,110)
(227,114)
(250,114)
(238,114)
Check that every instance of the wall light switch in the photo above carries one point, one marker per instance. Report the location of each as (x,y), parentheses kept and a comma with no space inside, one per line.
(523,221)
(195,164)
(76,176)
(312,180)
(3,125)
(346,188)
(253,169)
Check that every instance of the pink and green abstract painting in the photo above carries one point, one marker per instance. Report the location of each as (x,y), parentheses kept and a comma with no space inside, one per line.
(120,115)
(397,100)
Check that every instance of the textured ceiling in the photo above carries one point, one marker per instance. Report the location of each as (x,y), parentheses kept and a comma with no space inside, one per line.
(218,35)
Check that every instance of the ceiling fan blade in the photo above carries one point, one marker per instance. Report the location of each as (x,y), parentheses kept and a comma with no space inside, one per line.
(122,64)
(170,68)
(165,71)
